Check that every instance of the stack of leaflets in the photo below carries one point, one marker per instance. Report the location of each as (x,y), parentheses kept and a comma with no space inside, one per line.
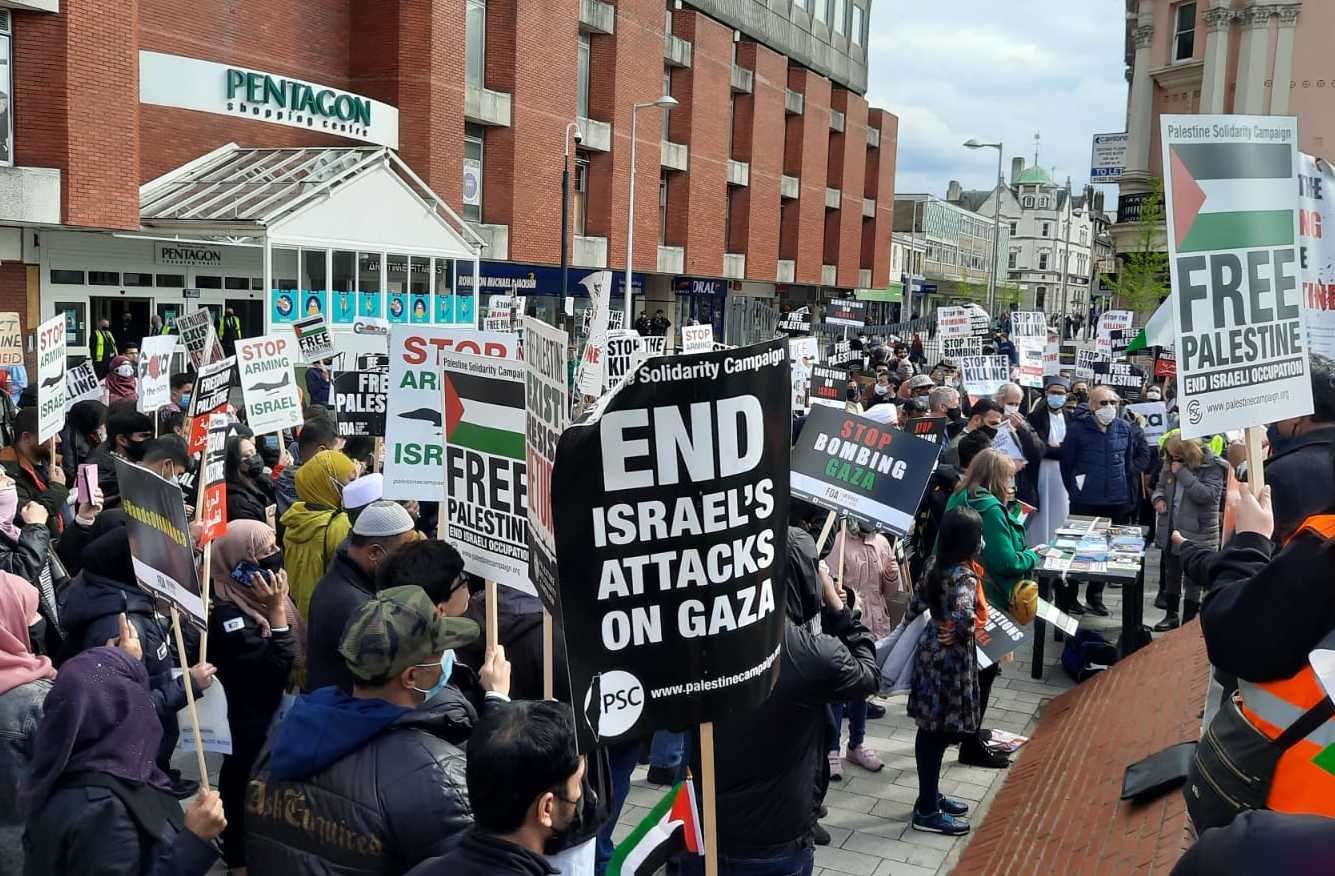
(1093,548)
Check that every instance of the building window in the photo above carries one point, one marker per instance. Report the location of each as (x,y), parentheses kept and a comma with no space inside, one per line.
(667,89)
(475,42)
(6,94)
(821,10)
(1041,297)
(1184,31)
(1042,261)
(169,281)
(213,282)
(132,279)
(1028,201)
(855,32)
(1015,228)
(104,278)
(582,78)
(237,284)
(473,172)
(840,19)
(67,278)
(581,193)
(1047,229)
(1014,260)
(662,207)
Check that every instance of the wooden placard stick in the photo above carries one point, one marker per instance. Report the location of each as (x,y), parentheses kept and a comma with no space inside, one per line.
(548,656)
(707,798)
(204,581)
(1255,460)
(493,618)
(825,532)
(190,699)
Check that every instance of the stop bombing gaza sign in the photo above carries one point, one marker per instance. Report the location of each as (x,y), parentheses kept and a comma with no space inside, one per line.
(1241,335)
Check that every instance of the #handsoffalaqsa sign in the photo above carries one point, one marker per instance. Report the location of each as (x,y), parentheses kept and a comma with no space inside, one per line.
(1241,335)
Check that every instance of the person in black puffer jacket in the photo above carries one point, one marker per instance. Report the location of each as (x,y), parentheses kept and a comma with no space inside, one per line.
(249,490)
(378,775)
(90,610)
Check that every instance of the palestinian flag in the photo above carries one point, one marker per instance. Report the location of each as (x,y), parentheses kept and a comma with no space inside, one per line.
(1158,332)
(1232,195)
(485,413)
(669,829)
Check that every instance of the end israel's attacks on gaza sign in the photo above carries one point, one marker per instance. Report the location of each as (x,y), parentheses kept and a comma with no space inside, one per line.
(414,452)
(1241,337)
(877,474)
(671,539)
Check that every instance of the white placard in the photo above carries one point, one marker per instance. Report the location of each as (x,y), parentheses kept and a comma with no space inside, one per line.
(269,383)
(697,338)
(155,358)
(1029,324)
(1031,352)
(1155,415)
(1084,363)
(1058,618)
(984,375)
(81,384)
(953,322)
(50,377)
(1107,157)
(1315,220)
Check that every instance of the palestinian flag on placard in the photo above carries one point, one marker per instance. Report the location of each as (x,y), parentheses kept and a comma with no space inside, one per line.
(669,829)
(1232,195)
(485,414)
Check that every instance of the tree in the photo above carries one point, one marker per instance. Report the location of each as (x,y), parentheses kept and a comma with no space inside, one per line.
(1142,280)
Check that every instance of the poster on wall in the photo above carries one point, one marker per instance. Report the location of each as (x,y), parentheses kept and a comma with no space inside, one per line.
(11,339)
(50,377)
(691,609)
(397,309)
(344,307)
(313,302)
(547,401)
(421,308)
(414,453)
(371,305)
(1240,327)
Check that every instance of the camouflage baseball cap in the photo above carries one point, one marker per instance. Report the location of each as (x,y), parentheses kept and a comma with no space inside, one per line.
(397,629)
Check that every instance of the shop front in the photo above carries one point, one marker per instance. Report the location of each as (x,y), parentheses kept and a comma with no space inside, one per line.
(540,287)
(700,301)
(883,305)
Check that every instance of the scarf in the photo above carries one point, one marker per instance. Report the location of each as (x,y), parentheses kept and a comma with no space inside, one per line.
(120,387)
(18,605)
(99,718)
(9,454)
(320,479)
(247,540)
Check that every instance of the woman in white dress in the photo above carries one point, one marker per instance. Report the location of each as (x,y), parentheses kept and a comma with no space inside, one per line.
(1049,421)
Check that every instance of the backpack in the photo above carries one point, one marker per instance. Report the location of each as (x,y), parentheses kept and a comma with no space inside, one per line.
(1086,654)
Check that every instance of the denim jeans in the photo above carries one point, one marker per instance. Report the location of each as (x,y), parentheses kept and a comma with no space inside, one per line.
(799,862)
(667,750)
(857,722)
(623,759)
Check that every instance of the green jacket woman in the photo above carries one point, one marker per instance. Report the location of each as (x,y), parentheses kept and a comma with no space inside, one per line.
(1005,559)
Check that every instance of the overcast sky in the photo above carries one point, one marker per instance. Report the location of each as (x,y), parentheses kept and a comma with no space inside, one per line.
(997,71)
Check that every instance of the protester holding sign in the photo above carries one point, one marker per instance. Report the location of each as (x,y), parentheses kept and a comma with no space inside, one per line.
(316,524)
(1187,501)
(85,425)
(29,464)
(249,492)
(128,431)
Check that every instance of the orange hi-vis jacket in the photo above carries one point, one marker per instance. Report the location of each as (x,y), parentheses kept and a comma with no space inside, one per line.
(1299,785)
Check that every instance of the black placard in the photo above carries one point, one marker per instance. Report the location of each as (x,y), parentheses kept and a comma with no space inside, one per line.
(359,402)
(828,386)
(1126,378)
(846,312)
(160,547)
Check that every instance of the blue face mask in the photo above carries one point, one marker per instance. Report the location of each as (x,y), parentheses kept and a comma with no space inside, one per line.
(185,401)
(1056,402)
(446,668)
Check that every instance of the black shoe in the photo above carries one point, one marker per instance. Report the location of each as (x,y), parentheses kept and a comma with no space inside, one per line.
(820,835)
(1161,601)
(1074,608)
(1096,606)
(1170,622)
(875,711)
(972,753)
(659,775)
(822,810)
(952,807)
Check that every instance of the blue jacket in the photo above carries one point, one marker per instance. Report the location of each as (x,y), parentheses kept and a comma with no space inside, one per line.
(1108,460)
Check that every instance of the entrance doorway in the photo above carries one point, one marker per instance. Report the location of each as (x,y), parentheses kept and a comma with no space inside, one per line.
(251,314)
(128,317)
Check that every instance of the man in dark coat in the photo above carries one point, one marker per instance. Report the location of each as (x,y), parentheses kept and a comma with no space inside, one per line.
(384,764)
(771,760)
(28,463)
(349,584)
(1298,470)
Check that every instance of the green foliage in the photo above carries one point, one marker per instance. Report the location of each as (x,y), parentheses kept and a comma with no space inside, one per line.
(1142,280)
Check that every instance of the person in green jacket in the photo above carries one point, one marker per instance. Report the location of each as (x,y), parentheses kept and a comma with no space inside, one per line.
(988,487)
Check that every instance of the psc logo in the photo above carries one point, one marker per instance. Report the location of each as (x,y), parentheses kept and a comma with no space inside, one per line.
(1194,414)
(613,703)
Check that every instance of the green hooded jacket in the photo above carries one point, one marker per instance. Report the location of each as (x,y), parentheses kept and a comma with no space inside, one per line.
(1004,558)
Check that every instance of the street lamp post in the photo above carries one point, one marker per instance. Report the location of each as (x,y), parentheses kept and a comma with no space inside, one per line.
(996,223)
(666,102)
(565,210)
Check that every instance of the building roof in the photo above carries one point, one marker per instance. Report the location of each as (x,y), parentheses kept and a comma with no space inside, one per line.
(1034,175)
(974,199)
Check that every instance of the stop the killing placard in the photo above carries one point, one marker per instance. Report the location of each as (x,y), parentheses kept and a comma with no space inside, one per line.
(1232,198)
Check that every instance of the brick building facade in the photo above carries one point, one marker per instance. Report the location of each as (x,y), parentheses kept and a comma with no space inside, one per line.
(771,171)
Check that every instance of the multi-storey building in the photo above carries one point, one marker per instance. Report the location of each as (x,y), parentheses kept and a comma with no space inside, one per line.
(955,244)
(397,158)
(1220,56)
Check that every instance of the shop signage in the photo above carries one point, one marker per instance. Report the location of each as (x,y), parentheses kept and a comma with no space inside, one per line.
(207,86)
(188,255)
(512,278)
(696,286)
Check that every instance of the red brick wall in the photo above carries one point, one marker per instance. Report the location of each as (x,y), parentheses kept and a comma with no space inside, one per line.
(696,198)
(880,184)
(533,56)
(848,237)
(806,155)
(758,125)
(625,69)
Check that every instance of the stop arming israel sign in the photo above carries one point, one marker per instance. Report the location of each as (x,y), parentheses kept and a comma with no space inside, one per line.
(267,383)
(877,474)
(1241,335)
(671,541)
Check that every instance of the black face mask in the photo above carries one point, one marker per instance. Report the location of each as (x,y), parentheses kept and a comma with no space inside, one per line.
(37,637)
(954,414)
(989,431)
(272,563)
(565,837)
(134,450)
(1081,395)
(252,466)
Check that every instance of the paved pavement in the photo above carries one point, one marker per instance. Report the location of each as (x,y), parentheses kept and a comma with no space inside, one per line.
(869,812)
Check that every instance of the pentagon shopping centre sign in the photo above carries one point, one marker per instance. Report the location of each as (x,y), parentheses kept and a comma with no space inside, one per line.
(207,86)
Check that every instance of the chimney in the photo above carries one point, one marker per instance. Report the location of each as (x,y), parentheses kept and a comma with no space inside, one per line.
(1017,168)
(953,191)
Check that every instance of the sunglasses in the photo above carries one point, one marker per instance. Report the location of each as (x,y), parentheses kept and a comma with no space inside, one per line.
(1107,402)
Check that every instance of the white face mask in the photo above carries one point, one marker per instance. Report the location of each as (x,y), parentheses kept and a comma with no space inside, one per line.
(1011,409)
(1154,396)
(1106,415)
(125,371)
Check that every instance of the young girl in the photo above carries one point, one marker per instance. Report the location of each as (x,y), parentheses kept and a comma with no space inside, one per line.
(944,697)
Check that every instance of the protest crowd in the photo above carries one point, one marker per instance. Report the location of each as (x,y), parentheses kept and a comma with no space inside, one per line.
(390,709)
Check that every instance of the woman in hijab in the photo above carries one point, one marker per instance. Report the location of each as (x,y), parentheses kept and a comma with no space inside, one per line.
(316,524)
(25,680)
(25,551)
(121,382)
(249,492)
(95,800)
(254,628)
(85,430)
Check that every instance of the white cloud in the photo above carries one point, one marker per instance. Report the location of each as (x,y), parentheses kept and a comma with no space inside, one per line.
(955,69)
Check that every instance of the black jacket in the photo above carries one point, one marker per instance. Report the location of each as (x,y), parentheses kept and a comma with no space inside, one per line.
(53,498)
(253,669)
(1261,842)
(103,458)
(27,556)
(393,786)
(520,633)
(1264,615)
(343,589)
(1041,419)
(1302,480)
(480,854)
(1034,449)
(86,829)
(247,500)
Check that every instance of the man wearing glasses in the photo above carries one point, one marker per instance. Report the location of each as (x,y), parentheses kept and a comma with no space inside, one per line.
(1101,458)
